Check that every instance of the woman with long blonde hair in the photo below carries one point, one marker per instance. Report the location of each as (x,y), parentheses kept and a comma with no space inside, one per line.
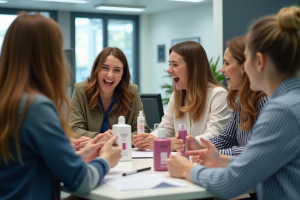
(198,101)
(34,148)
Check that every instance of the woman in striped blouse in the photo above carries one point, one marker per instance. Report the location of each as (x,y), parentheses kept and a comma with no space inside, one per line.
(243,101)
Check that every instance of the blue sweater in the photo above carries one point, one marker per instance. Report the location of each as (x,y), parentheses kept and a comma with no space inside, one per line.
(48,158)
(271,159)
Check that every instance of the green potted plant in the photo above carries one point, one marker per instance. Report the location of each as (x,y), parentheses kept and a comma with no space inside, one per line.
(169,88)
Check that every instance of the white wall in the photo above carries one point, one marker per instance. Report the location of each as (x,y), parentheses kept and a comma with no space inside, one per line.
(195,21)
(218,30)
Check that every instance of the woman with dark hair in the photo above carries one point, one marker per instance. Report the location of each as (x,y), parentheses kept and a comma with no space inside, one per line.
(245,103)
(271,158)
(35,153)
(107,94)
(198,101)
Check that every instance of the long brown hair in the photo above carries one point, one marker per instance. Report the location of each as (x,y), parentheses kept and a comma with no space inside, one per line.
(278,37)
(123,95)
(248,99)
(31,61)
(198,66)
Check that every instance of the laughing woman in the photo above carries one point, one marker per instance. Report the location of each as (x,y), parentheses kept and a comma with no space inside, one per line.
(241,99)
(198,101)
(107,94)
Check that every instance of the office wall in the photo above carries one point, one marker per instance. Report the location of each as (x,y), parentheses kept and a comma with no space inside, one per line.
(161,28)
(239,14)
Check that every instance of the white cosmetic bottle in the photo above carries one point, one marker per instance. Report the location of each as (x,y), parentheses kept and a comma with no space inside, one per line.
(140,123)
(123,131)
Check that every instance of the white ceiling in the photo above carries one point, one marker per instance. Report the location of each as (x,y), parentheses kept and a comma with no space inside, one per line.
(152,6)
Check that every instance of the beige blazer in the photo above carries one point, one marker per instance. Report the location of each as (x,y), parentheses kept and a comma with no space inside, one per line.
(87,122)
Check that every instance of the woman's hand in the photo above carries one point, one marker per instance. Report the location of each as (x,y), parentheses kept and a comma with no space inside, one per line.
(107,135)
(91,150)
(179,166)
(192,143)
(143,141)
(110,152)
(81,142)
(209,157)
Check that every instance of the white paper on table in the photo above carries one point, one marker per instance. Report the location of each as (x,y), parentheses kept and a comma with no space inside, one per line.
(148,153)
(142,181)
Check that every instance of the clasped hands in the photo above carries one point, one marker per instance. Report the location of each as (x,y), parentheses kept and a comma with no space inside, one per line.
(94,148)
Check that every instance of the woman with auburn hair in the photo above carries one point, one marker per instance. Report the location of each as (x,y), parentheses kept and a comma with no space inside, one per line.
(34,149)
(107,94)
(241,99)
(198,100)
(271,158)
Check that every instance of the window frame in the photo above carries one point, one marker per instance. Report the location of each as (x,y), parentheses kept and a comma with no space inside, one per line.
(105,18)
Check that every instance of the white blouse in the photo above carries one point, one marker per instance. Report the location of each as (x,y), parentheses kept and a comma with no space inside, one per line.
(215,117)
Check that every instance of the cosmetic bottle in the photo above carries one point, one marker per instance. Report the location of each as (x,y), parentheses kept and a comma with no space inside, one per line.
(182,135)
(161,150)
(140,123)
(123,131)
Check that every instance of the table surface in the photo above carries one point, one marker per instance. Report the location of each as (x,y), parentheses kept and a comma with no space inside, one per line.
(106,192)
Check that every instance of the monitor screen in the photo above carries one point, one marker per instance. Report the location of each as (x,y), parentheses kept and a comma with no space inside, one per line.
(153,109)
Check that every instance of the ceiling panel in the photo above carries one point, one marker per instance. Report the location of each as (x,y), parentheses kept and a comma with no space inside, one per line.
(152,6)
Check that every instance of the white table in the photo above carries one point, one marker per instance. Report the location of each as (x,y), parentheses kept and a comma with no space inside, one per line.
(106,192)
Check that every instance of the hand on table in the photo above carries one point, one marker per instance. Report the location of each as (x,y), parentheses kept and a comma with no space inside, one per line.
(92,149)
(143,141)
(110,152)
(179,166)
(209,157)
(192,143)
(81,142)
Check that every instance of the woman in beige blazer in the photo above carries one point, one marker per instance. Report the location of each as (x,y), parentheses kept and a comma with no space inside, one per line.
(107,94)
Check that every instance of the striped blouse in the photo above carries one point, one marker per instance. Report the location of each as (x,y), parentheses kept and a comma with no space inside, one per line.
(233,140)
(271,159)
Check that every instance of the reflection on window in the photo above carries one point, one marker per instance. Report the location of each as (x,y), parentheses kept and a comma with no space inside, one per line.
(6,20)
(88,44)
(120,34)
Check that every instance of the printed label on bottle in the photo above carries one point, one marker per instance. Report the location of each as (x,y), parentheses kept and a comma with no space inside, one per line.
(163,158)
(124,146)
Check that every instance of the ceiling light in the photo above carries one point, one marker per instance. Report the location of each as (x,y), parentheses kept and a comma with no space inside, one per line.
(120,8)
(193,1)
(3,1)
(66,1)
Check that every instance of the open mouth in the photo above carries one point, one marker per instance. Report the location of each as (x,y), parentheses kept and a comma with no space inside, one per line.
(108,82)
(176,79)
(227,79)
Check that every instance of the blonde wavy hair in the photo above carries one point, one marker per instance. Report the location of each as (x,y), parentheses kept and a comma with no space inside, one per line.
(32,61)
(248,99)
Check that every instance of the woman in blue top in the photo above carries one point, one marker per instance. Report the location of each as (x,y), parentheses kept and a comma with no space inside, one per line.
(271,159)
(243,101)
(35,154)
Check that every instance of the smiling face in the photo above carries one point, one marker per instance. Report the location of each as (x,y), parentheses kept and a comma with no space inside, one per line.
(233,71)
(110,75)
(178,70)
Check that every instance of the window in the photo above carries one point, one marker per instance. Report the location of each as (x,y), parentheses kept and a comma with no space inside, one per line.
(7,16)
(93,32)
